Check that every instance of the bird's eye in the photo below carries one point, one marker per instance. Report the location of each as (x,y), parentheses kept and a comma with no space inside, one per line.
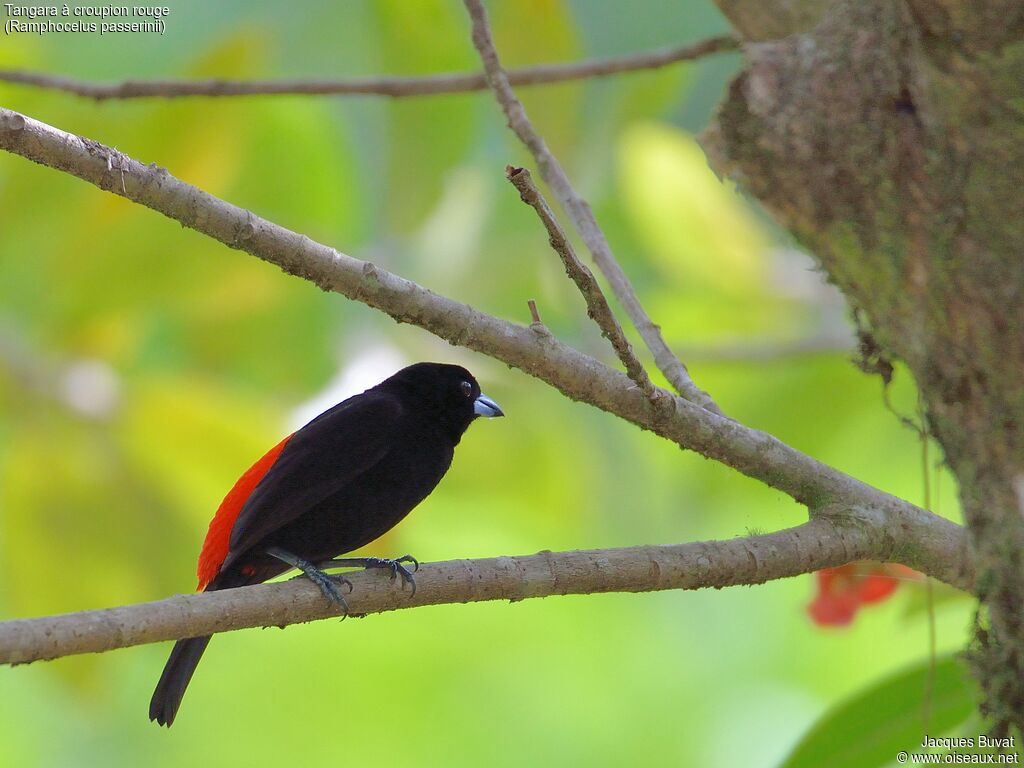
(467,388)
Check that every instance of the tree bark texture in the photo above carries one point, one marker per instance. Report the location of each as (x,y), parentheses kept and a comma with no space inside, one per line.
(888,137)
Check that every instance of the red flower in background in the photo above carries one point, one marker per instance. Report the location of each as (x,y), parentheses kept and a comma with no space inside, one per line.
(843,590)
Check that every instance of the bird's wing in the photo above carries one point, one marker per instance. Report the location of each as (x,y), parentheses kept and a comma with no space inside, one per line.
(320,459)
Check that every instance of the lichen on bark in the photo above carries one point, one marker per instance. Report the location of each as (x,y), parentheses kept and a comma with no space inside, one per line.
(889,139)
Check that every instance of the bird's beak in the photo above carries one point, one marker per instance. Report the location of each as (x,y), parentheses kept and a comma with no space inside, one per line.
(484,406)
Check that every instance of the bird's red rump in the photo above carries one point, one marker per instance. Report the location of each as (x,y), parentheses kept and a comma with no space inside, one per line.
(215,547)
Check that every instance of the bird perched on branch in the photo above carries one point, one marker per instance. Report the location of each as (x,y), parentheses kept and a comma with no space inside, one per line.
(338,483)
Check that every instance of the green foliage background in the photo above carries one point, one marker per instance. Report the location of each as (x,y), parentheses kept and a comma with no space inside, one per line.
(191,359)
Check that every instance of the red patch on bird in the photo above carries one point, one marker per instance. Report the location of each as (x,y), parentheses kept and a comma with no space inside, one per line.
(218,536)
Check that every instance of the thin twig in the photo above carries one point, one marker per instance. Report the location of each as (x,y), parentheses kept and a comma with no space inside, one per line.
(753,560)
(597,305)
(372,86)
(534,314)
(579,212)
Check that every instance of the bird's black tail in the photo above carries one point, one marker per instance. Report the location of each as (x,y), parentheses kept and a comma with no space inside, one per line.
(178,671)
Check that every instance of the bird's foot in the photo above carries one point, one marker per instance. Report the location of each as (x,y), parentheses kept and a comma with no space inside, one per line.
(328,584)
(396,566)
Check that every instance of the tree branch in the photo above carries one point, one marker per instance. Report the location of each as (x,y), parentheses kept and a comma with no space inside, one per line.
(924,541)
(753,560)
(376,86)
(910,160)
(597,305)
(579,212)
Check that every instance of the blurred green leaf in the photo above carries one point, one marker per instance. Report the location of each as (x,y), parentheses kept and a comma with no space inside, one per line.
(426,136)
(697,227)
(870,728)
(554,110)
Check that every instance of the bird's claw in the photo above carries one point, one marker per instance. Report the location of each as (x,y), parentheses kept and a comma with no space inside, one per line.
(342,581)
(329,587)
(397,568)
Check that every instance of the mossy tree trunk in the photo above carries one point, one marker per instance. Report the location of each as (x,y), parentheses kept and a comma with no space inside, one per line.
(888,137)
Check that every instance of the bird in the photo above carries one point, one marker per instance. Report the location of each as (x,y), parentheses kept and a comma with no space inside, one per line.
(336,484)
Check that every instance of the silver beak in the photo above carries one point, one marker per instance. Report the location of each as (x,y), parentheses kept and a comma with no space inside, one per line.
(484,406)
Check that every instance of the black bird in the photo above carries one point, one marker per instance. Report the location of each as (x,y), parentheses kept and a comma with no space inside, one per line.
(336,484)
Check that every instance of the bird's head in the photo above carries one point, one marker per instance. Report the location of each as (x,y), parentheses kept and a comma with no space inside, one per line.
(447,391)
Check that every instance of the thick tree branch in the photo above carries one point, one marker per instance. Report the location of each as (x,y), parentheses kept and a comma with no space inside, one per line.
(902,176)
(579,212)
(922,540)
(376,86)
(597,306)
(753,560)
